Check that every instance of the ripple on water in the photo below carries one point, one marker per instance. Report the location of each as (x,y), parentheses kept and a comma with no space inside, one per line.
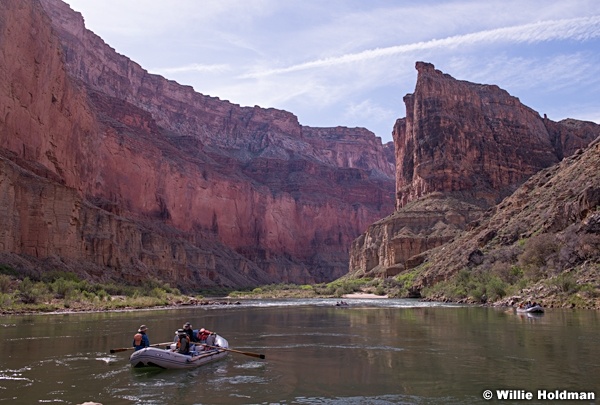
(9,377)
(250,365)
(240,379)
(343,347)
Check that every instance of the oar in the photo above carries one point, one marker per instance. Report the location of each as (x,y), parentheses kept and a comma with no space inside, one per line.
(124,349)
(260,356)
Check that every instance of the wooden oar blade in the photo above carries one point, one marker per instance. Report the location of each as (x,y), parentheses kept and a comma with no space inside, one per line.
(121,349)
(260,356)
(124,349)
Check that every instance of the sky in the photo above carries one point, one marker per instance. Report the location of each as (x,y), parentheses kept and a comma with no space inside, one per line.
(350,62)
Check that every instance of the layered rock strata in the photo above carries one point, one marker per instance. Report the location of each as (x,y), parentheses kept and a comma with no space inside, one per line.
(462,145)
(474,139)
(248,194)
(560,206)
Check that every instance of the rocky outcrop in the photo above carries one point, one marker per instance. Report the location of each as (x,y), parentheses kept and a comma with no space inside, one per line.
(247,191)
(461,149)
(474,139)
(395,243)
(549,228)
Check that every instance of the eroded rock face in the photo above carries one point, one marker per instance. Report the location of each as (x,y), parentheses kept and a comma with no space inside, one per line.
(558,205)
(393,244)
(472,138)
(49,225)
(460,142)
(277,201)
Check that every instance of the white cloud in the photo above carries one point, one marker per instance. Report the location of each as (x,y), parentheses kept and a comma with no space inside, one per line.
(194,67)
(579,29)
(349,62)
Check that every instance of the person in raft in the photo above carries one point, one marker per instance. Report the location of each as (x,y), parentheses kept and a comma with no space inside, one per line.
(203,334)
(207,338)
(140,339)
(183,342)
(187,327)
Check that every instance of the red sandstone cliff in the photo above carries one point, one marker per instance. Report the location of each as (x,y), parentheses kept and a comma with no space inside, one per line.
(121,173)
(461,149)
(474,139)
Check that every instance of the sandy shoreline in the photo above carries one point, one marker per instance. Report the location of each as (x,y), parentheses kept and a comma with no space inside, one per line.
(363,295)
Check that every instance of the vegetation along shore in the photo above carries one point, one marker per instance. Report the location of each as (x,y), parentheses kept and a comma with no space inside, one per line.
(65,292)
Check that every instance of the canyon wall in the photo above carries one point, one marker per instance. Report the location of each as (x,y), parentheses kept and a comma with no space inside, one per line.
(210,192)
(460,150)
(474,139)
(549,227)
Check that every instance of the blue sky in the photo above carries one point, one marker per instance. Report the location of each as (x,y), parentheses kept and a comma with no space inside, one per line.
(350,62)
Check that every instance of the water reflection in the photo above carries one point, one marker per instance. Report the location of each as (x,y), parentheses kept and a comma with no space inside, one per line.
(374,351)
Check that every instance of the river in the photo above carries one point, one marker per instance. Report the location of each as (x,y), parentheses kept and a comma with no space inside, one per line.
(376,351)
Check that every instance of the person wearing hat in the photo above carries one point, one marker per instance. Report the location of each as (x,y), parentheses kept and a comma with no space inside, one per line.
(183,342)
(187,327)
(140,339)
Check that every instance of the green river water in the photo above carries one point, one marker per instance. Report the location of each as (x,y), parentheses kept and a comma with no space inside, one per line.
(376,351)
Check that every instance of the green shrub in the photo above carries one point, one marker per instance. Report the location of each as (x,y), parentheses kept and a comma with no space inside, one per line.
(8,270)
(406,279)
(30,292)
(88,295)
(5,283)
(6,300)
(347,286)
(475,285)
(589,291)
(495,288)
(103,295)
(477,292)
(157,293)
(565,282)
(540,256)
(62,287)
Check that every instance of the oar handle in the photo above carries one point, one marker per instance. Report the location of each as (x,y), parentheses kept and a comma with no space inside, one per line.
(260,356)
(124,349)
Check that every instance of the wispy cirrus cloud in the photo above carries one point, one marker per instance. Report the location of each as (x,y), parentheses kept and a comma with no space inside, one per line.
(578,29)
(194,67)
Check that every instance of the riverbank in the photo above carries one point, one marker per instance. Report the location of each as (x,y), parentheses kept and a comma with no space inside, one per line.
(363,295)
(59,307)
(63,293)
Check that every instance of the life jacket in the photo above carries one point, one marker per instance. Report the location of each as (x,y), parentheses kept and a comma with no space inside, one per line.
(183,344)
(203,335)
(137,339)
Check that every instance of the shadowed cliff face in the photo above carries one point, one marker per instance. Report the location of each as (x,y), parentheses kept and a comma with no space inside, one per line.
(461,149)
(163,181)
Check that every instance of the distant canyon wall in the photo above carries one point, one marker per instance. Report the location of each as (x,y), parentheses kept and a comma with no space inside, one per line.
(461,149)
(250,190)
(47,226)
